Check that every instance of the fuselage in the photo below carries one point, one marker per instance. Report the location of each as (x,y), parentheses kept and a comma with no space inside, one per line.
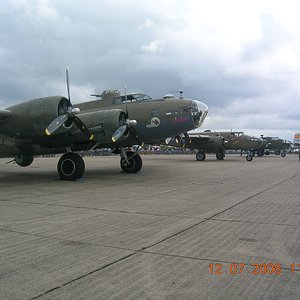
(229,140)
(241,141)
(156,118)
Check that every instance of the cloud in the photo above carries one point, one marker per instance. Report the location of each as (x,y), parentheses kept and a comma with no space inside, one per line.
(243,59)
(156,46)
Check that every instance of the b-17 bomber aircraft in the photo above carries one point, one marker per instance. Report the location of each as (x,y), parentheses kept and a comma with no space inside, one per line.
(238,140)
(52,125)
(279,146)
(218,142)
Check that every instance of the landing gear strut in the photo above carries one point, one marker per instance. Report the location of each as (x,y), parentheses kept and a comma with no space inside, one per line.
(283,153)
(250,155)
(70,166)
(220,154)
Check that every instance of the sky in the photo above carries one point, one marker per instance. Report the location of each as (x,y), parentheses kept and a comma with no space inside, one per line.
(240,57)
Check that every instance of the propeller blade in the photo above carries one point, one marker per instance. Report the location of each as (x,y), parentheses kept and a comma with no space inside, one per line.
(168,140)
(81,126)
(69,114)
(68,84)
(119,133)
(139,140)
(187,137)
(56,123)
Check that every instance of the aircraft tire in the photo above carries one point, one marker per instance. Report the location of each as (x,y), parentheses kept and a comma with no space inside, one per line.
(249,157)
(23,160)
(219,156)
(70,166)
(283,154)
(200,156)
(135,163)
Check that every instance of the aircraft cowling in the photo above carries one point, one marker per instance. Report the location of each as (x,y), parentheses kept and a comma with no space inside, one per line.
(29,119)
(103,123)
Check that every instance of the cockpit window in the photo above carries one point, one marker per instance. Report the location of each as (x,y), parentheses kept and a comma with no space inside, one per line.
(236,134)
(131,98)
(196,113)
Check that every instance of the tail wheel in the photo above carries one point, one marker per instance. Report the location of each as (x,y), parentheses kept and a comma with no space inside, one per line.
(23,160)
(70,166)
(200,156)
(135,163)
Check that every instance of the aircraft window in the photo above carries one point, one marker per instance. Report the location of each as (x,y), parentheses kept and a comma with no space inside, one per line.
(141,97)
(131,98)
(196,114)
(136,98)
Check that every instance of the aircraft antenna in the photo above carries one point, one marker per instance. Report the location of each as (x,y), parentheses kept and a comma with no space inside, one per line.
(180,93)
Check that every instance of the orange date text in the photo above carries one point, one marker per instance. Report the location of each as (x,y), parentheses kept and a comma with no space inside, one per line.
(253,269)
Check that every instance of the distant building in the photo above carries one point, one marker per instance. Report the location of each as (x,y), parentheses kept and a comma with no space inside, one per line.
(297,139)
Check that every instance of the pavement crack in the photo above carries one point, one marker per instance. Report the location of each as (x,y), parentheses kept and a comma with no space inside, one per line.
(93,208)
(82,276)
(252,196)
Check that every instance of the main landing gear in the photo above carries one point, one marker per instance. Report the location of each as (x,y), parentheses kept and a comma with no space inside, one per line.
(131,162)
(250,155)
(220,154)
(283,153)
(71,165)
(200,156)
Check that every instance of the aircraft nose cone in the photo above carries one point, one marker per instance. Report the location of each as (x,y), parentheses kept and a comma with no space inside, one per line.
(199,112)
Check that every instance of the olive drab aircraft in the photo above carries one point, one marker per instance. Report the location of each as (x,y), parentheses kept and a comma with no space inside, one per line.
(218,142)
(274,145)
(52,125)
(238,140)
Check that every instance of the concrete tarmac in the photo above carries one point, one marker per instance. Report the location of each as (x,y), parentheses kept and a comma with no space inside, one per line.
(179,229)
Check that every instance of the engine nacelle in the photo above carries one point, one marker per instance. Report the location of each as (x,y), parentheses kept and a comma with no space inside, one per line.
(29,119)
(103,122)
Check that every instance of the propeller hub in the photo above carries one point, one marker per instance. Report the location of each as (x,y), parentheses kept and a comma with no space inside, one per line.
(131,122)
(75,110)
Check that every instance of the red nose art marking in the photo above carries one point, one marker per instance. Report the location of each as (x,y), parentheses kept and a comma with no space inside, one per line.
(179,120)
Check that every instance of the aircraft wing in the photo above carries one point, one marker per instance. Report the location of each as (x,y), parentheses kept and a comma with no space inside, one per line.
(52,123)
(200,136)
